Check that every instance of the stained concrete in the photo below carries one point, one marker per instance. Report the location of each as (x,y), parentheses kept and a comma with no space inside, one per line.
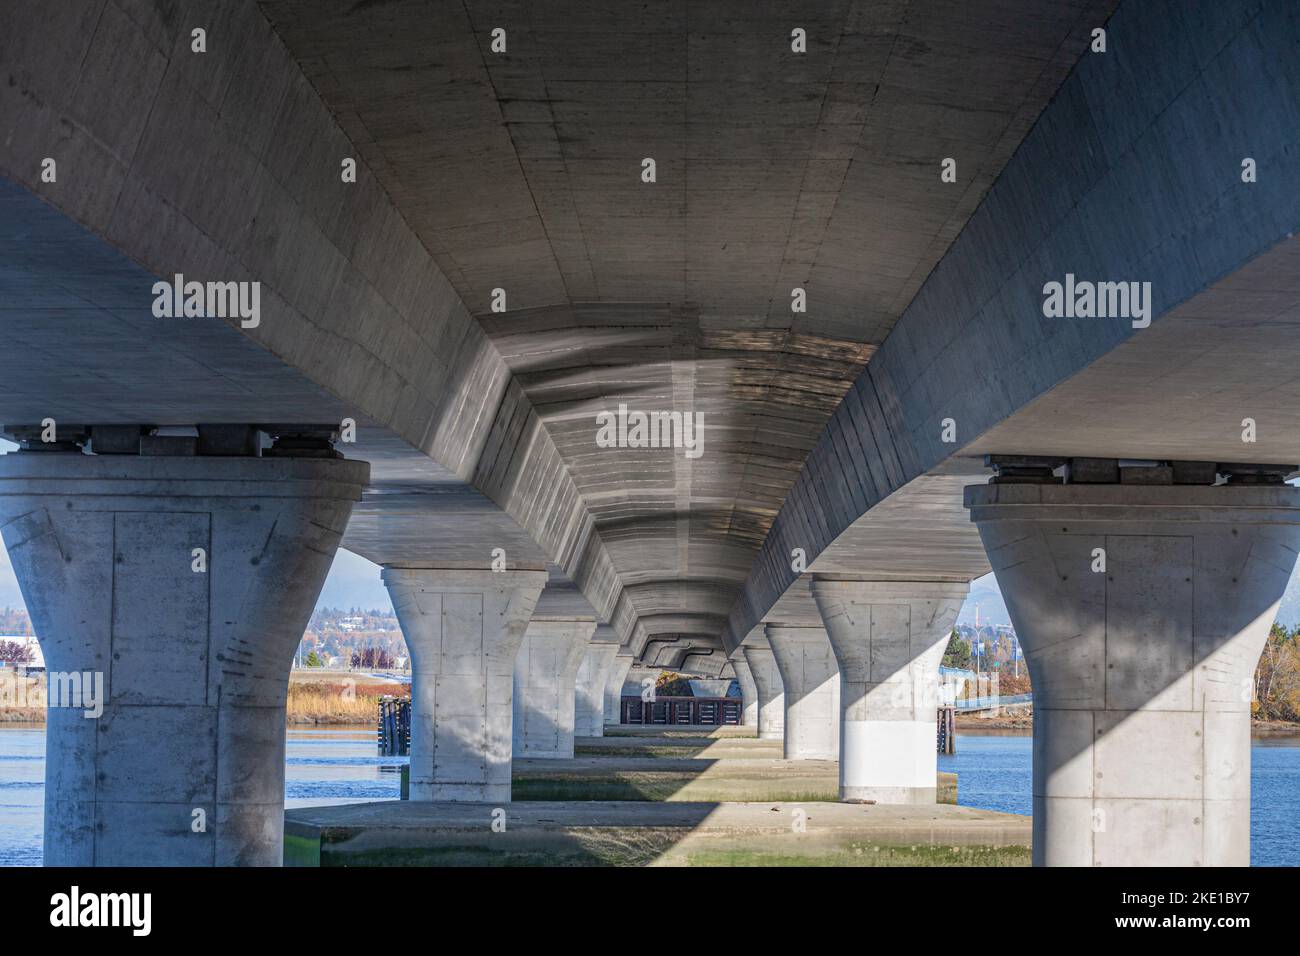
(546,673)
(707,775)
(614,687)
(463,629)
(748,691)
(888,639)
(811,678)
(1142,668)
(180,762)
(626,833)
(589,687)
(770,690)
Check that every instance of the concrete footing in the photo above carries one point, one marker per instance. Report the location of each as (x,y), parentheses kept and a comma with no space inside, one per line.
(463,629)
(770,691)
(169,594)
(888,638)
(1142,611)
(546,674)
(811,679)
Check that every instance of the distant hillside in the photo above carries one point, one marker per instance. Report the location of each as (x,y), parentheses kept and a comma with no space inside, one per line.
(984,592)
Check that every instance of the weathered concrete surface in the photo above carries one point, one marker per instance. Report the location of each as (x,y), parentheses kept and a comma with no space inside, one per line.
(1151,136)
(811,678)
(681,731)
(1142,670)
(614,687)
(771,692)
(748,691)
(678,745)
(192,666)
(658,775)
(463,629)
(627,833)
(818,171)
(589,688)
(888,639)
(546,674)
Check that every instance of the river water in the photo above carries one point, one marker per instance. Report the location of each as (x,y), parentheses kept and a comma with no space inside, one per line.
(340,766)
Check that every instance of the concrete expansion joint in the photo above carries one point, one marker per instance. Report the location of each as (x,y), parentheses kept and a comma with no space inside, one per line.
(1058,470)
(296,440)
(84,480)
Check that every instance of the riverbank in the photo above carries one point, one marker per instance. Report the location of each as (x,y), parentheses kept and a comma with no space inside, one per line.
(330,698)
(972,724)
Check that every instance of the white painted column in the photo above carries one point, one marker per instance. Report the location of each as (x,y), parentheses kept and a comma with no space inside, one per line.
(589,688)
(811,678)
(1141,669)
(546,673)
(181,759)
(888,637)
(463,629)
(748,691)
(770,690)
(614,687)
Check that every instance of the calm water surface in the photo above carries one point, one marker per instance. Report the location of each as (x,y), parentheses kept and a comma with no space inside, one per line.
(994,773)
(340,766)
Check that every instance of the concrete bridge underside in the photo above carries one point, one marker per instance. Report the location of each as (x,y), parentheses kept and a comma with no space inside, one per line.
(847,433)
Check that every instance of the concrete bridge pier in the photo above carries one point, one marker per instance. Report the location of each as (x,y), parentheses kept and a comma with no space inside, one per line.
(769,689)
(589,689)
(463,629)
(1142,611)
(888,638)
(546,674)
(169,595)
(748,691)
(811,679)
(614,687)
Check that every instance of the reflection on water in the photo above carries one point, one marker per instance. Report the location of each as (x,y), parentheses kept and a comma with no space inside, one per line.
(341,766)
(994,773)
(338,766)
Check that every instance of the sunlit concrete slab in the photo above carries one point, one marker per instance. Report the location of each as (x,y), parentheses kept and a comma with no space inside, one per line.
(638,834)
(660,776)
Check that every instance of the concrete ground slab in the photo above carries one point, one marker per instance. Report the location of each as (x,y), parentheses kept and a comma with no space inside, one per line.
(676,745)
(604,833)
(687,779)
(713,731)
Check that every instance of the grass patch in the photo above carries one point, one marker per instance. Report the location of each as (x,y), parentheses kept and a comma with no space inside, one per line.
(864,854)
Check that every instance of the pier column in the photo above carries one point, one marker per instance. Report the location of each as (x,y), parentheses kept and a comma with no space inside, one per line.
(748,692)
(169,595)
(614,687)
(589,689)
(546,672)
(811,678)
(1142,611)
(770,690)
(463,629)
(888,637)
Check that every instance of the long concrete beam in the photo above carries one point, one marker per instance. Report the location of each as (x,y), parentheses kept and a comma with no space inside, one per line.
(1134,173)
(224,165)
